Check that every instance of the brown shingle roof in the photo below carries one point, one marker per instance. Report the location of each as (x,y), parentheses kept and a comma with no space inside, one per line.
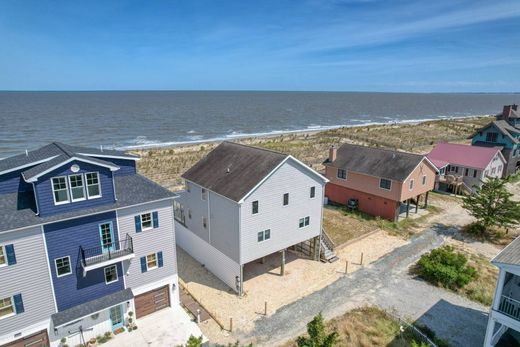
(377,162)
(510,254)
(233,170)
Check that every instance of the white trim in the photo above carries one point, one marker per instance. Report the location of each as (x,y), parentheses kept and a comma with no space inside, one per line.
(82,186)
(105,273)
(151,220)
(311,192)
(12,305)
(388,179)
(288,199)
(98,184)
(110,156)
(156,262)
(325,180)
(88,214)
(263,235)
(257,208)
(66,189)
(35,177)
(107,262)
(2,247)
(27,165)
(304,225)
(56,267)
(49,268)
(423,159)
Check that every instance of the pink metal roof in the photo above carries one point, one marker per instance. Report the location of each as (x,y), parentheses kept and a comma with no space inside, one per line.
(465,155)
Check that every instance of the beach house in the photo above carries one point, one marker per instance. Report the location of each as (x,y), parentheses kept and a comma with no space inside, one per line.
(503,132)
(380,182)
(242,203)
(464,167)
(503,327)
(84,241)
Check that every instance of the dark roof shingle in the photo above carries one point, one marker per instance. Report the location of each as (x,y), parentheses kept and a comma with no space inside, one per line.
(233,170)
(376,161)
(510,254)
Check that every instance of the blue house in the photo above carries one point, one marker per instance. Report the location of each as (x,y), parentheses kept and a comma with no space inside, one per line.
(503,132)
(84,240)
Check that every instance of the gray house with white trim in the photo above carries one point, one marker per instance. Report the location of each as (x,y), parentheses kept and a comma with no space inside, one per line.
(243,203)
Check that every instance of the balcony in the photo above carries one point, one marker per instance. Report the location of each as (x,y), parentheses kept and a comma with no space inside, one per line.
(510,307)
(100,256)
(451,179)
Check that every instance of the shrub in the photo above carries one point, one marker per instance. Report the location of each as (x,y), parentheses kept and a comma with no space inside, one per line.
(443,266)
(317,335)
(194,341)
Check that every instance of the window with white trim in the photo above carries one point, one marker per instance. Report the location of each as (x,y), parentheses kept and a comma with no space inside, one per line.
(77,188)
(63,266)
(342,173)
(6,307)
(111,274)
(254,207)
(151,261)
(146,221)
(60,190)
(3,260)
(424,180)
(385,184)
(313,192)
(264,235)
(304,221)
(411,184)
(93,188)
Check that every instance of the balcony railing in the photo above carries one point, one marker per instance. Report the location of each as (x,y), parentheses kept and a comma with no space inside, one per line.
(510,307)
(451,179)
(97,255)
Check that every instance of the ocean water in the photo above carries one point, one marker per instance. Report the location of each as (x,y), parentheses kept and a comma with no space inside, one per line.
(127,120)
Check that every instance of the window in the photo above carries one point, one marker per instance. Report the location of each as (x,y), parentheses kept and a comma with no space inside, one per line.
(146,221)
(424,180)
(304,221)
(204,194)
(77,189)
(93,189)
(385,184)
(59,188)
(3,261)
(456,169)
(264,235)
(189,213)
(466,172)
(111,274)
(6,307)
(491,137)
(151,261)
(63,266)
(411,184)
(178,212)
(286,199)
(342,173)
(255,207)
(204,222)
(474,173)
(313,192)
(493,170)
(187,186)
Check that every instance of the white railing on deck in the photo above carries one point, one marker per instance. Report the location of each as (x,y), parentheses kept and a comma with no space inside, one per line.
(510,307)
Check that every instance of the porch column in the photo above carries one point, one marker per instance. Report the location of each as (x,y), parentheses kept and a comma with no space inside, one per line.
(496,304)
(426,199)
(417,199)
(407,208)
(282,269)
(240,283)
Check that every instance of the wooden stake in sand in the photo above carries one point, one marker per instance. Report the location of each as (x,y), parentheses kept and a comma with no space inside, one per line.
(265,308)
(346,267)
(231,324)
(361,258)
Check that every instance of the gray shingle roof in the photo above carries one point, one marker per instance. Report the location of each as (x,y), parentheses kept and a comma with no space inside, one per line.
(17,210)
(510,254)
(377,162)
(505,128)
(52,150)
(233,170)
(91,307)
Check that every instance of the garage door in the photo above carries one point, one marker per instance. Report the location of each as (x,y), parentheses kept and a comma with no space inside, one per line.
(37,340)
(152,301)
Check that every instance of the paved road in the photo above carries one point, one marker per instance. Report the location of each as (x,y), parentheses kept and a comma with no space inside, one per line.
(386,283)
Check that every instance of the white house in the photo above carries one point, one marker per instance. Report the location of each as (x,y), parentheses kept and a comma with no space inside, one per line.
(243,203)
(504,317)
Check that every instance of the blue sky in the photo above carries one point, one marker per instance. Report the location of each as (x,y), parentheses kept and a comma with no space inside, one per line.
(343,45)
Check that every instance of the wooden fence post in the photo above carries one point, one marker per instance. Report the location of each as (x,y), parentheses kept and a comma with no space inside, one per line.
(346,267)
(361,258)
(265,308)
(231,324)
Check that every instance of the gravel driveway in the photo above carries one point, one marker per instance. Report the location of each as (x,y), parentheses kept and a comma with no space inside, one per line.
(385,283)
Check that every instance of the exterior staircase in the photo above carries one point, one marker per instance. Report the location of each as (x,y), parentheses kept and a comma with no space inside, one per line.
(327,248)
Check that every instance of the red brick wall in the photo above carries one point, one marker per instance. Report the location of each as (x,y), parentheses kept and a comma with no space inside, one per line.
(368,203)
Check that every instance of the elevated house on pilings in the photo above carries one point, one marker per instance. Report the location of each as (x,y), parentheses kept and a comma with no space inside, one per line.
(382,182)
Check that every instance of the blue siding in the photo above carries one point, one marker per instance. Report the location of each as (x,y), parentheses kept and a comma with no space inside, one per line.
(64,239)
(501,139)
(127,167)
(44,189)
(13,182)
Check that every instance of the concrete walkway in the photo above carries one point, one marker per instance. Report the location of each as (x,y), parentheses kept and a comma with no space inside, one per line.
(385,283)
(169,327)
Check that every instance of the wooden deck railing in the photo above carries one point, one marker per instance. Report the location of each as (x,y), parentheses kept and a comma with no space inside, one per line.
(510,307)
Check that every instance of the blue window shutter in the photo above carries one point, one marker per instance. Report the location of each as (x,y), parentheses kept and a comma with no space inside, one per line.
(159,259)
(11,257)
(137,224)
(143,264)
(18,303)
(155,217)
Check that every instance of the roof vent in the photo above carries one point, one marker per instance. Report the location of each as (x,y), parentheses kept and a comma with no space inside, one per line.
(228,170)
(101,148)
(26,152)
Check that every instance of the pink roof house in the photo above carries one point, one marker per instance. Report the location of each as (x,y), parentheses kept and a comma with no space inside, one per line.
(462,167)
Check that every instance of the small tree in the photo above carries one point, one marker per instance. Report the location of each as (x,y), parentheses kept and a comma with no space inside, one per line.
(194,341)
(491,205)
(317,335)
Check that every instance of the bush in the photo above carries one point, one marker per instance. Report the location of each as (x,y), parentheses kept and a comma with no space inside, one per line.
(443,266)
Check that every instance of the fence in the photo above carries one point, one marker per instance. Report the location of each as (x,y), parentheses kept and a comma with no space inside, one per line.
(417,334)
